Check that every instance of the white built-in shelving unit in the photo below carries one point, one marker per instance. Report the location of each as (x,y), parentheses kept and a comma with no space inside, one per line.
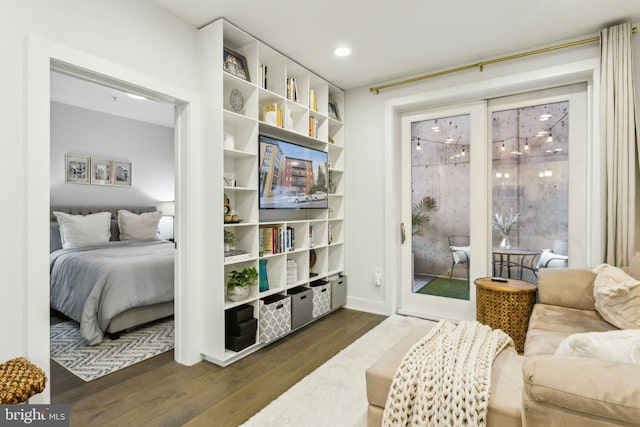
(239,165)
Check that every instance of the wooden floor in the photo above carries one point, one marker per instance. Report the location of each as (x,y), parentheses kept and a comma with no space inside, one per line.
(161,392)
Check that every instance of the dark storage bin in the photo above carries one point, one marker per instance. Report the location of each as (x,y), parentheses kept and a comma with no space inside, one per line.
(338,292)
(240,327)
(239,343)
(301,306)
(239,314)
(248,327)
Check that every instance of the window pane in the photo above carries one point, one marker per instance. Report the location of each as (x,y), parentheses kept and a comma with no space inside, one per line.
(440,206)
(530,186)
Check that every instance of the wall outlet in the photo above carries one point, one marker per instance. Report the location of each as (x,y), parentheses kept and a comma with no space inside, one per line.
(377,277)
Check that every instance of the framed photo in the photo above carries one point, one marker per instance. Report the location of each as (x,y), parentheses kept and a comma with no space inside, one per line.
(236,64)
(122,173)
(333,111)
(76,170)
(101,172)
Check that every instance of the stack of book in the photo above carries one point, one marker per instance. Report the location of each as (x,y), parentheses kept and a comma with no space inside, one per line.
(236,255)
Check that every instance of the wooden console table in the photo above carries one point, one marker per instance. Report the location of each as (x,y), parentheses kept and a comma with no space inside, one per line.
(506,305)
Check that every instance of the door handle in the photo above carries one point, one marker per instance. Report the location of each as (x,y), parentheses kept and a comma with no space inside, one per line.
(403,234)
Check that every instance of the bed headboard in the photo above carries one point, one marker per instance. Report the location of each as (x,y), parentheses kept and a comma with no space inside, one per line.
(54,228)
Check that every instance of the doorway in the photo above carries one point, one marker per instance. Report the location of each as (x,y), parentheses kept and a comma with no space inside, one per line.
(42,56)
(458,177)
(133,137)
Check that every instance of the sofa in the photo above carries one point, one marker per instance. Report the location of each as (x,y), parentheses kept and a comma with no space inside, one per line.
(539,388)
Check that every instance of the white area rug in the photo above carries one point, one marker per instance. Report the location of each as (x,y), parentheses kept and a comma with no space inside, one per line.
(70,350)
(335,393)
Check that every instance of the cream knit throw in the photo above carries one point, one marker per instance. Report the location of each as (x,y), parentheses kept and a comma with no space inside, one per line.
(445,378)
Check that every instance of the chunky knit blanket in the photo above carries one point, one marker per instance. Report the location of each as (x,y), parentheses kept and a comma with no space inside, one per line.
(445,378)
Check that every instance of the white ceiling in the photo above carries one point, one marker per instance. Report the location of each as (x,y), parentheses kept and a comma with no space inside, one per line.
(396,39)
(390,40)
(84,94)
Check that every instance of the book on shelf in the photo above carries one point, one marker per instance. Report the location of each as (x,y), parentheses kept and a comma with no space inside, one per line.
(312,235)
(313,127)
(313,103)
(263,76)
(236,255)
(292,89)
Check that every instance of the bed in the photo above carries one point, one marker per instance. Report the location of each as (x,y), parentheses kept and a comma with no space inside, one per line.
(114,285)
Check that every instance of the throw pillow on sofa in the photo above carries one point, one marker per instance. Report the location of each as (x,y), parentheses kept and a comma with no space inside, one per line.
(617,297)
(613,346)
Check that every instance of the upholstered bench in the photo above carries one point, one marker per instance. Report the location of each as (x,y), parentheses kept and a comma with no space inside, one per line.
(506,383)
(19,380)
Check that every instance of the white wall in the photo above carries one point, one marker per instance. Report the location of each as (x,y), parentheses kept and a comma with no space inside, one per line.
(87,133)
(135,35)
(368,231)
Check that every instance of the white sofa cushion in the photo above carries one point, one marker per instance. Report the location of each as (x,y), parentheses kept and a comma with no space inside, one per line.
(614,346)
(617,297)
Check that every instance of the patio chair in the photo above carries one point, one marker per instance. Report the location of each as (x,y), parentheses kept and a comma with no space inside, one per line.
(460,252)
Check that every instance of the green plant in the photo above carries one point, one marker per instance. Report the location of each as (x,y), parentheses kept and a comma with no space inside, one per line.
(229,239)
(246,277)
(419,214)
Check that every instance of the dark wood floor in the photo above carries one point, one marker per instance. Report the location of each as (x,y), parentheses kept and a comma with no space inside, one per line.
(160,392)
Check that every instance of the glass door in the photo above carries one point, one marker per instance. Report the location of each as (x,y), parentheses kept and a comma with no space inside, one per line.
(437,157)
(539,175)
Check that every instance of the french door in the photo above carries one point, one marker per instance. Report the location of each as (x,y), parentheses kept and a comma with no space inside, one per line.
(462,165)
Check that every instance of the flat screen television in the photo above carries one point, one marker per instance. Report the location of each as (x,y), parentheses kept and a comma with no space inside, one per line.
(292,176)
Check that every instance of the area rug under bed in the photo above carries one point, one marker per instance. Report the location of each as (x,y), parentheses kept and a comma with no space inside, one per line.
(69,349)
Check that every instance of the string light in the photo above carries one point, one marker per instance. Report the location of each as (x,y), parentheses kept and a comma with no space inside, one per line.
(526,144)
(418,146)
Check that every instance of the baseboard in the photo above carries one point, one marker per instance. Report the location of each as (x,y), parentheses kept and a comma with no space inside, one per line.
(368,306)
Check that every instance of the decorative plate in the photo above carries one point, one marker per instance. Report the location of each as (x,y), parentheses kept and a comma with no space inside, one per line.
(236,100)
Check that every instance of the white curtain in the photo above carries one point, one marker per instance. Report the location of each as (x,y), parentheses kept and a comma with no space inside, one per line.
(619,134)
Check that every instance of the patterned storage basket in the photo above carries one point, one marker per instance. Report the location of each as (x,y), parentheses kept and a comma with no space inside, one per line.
(275,317)
(321,299)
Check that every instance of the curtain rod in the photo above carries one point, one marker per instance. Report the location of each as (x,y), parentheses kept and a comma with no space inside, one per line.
(481,64)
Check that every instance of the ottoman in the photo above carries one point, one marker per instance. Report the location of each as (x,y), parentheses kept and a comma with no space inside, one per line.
(506,383)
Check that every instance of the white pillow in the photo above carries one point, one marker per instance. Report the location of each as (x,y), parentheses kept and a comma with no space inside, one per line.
(614,346)
(139,227)
(617,297)
(83,230)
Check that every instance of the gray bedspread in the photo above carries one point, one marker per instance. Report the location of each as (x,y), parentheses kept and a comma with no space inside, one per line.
(95,283)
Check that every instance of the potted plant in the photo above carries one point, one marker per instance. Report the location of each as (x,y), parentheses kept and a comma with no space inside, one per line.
(238,283)
(419,214)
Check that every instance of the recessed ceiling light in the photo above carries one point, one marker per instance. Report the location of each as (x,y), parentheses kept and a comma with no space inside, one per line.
(342,51)
(131,95)
(544,117)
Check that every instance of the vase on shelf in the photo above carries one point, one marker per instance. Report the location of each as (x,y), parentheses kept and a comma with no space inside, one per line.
(264,280)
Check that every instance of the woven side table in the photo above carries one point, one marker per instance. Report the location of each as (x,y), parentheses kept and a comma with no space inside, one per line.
(19,380)
(506,305)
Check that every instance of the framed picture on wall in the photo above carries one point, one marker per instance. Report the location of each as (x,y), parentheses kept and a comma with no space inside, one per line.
(76,169)
(101,172)
(122,173)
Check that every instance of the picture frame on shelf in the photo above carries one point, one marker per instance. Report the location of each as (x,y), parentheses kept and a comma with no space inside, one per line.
(76,169)
(235,63)
(122,173)
(333,111)
(101,172)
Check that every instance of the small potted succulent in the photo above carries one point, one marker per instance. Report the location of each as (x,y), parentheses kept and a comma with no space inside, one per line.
(238,283)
